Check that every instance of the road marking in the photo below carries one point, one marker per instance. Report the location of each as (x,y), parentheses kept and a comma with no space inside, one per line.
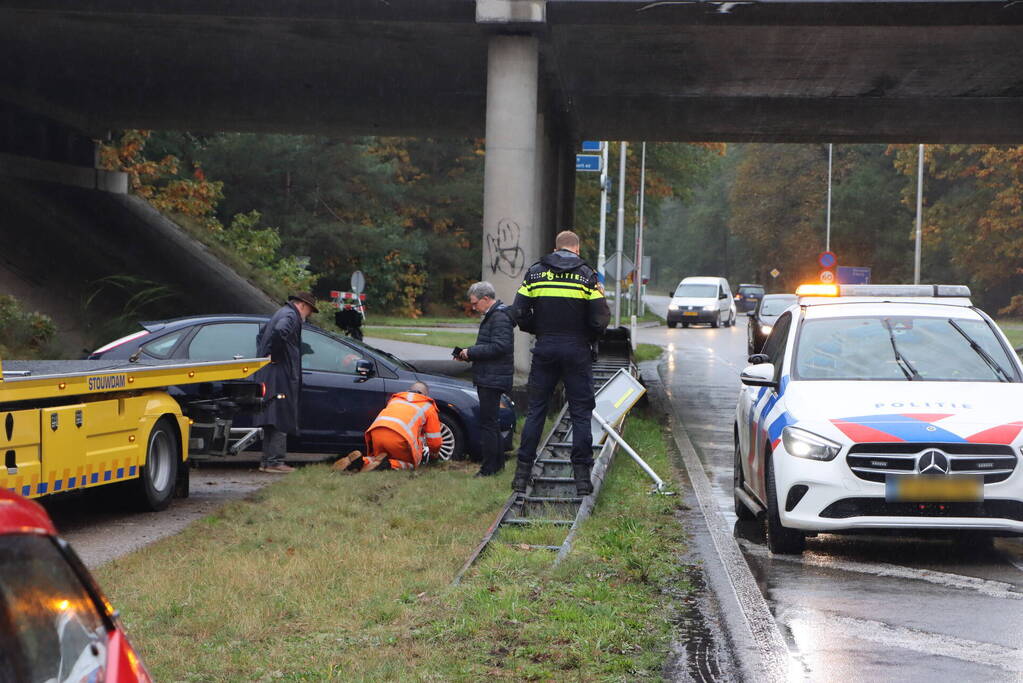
(777,662)
(924,642)
(994,589)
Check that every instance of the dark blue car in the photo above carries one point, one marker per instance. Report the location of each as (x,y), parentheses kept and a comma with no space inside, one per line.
(340,396)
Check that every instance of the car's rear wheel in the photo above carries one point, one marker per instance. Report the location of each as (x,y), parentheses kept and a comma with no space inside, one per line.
(780,539)
(158,476)
(741,511)
(672,325)
(684,325)
(452,438)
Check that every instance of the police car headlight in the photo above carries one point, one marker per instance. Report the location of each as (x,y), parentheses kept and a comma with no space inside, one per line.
(712,307)
(804,444)
(765,329)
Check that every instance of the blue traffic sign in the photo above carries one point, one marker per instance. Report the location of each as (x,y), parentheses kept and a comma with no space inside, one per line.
(587,162)
(593,146)
(827,259)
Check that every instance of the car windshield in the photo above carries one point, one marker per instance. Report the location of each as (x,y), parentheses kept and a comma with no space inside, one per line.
(776,306)
(901,348)
(697,291)
(751,291)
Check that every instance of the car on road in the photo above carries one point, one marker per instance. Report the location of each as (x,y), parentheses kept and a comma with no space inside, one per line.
(345,383)
(762,318)
(880,407)
(702,300)
(55,622)
(747,296)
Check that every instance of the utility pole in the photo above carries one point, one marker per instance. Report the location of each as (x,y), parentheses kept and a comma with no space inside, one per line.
(601,254)
(621,232)
(827,238)
(639,235)
(919,212)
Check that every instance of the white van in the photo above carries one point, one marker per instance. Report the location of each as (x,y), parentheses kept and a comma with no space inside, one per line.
(702,300)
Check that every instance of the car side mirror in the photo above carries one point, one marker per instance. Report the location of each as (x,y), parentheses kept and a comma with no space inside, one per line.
(761,375)
(722,296)
(364,369)
(758,358)
(751,314)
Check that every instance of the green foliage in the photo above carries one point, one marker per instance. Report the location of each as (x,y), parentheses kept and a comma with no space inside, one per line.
(259,247)
(24,334)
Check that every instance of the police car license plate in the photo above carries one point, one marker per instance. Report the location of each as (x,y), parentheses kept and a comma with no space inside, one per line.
(941,489)
(690,313)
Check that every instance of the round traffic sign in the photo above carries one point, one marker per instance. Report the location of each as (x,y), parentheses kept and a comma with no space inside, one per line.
(358,282)
(827,259)
(827,277)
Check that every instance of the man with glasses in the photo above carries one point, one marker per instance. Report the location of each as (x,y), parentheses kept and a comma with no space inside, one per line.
(493,368)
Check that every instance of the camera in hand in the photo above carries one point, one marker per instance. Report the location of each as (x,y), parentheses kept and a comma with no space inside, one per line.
(456,352)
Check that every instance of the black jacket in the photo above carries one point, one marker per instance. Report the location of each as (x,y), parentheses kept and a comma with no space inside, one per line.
(281,339)
(492,356)
(560,295)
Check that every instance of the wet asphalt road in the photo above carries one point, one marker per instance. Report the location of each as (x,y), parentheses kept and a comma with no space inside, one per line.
(853,608)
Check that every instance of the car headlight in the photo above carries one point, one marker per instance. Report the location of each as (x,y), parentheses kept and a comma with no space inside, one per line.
(712,307)
(765,329)
(672,307)
(804,444)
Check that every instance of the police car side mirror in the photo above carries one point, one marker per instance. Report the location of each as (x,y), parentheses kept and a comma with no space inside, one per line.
(761,375)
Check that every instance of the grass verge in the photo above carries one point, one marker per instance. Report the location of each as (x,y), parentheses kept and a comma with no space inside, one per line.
(431,337)
(1013,330)
(647,352)
(425,321)
(325,576)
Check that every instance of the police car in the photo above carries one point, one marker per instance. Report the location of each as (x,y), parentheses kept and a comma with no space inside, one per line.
(880,406)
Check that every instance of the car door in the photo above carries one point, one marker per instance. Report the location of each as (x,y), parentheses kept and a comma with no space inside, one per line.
(337,404)
(761,401)
(219,341)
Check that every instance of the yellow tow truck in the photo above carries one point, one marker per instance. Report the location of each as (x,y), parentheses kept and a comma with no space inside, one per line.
(72,425)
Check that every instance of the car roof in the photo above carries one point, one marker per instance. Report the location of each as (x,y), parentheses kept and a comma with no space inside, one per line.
(19,515)
(879,307)
(750,284)
(793,297)
(153,325)
(701,280)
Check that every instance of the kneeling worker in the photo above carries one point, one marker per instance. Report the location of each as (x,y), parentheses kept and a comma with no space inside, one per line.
(408,425)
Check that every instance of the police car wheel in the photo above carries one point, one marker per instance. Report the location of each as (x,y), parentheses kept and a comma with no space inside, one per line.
(158,476)
(452,438)
(780,540)
(741,511)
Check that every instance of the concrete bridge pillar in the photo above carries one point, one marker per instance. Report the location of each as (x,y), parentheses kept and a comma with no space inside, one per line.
(511,197)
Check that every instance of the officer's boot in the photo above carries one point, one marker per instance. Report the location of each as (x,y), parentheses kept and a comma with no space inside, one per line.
(522,474)
(583,485)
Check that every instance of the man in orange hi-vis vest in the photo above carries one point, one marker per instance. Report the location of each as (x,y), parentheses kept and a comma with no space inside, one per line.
(404,429)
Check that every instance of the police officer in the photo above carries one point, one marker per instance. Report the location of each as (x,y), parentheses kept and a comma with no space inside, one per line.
(562,302)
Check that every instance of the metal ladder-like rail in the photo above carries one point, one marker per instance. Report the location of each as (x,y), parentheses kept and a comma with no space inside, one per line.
(550,499)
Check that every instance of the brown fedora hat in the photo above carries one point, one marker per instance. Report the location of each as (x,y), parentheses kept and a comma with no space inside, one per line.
(305,297)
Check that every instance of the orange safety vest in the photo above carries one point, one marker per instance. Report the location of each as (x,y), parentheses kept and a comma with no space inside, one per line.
(414,417)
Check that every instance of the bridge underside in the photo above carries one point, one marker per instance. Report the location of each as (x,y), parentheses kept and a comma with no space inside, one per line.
(764,71)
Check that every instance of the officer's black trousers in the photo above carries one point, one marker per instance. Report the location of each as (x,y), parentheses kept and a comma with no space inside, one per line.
(567,359)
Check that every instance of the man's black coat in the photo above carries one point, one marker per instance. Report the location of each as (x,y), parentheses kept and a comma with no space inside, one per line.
(281,339)
(492,356)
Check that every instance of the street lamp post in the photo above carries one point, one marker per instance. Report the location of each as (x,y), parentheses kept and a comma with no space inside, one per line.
(827,238)
(621,233)
(919,212)
(601,254)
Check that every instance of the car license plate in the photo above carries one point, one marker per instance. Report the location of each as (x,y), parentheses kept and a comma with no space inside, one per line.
(941,489)
(690,312)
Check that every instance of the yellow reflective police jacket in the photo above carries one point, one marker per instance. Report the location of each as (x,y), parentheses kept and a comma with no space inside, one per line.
(561,295)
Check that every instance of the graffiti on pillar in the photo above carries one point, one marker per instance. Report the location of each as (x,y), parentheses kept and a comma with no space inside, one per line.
(504,251)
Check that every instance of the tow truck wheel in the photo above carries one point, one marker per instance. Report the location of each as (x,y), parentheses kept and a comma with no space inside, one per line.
(453,446)
(158,477)
(741,511)
(780,540)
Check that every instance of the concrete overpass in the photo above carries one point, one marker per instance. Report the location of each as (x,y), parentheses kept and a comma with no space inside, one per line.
(532,76)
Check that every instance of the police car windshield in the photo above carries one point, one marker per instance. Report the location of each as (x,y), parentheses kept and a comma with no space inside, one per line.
(860,348)
(697,291)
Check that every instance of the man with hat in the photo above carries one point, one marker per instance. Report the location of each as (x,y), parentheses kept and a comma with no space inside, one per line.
(281,339)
